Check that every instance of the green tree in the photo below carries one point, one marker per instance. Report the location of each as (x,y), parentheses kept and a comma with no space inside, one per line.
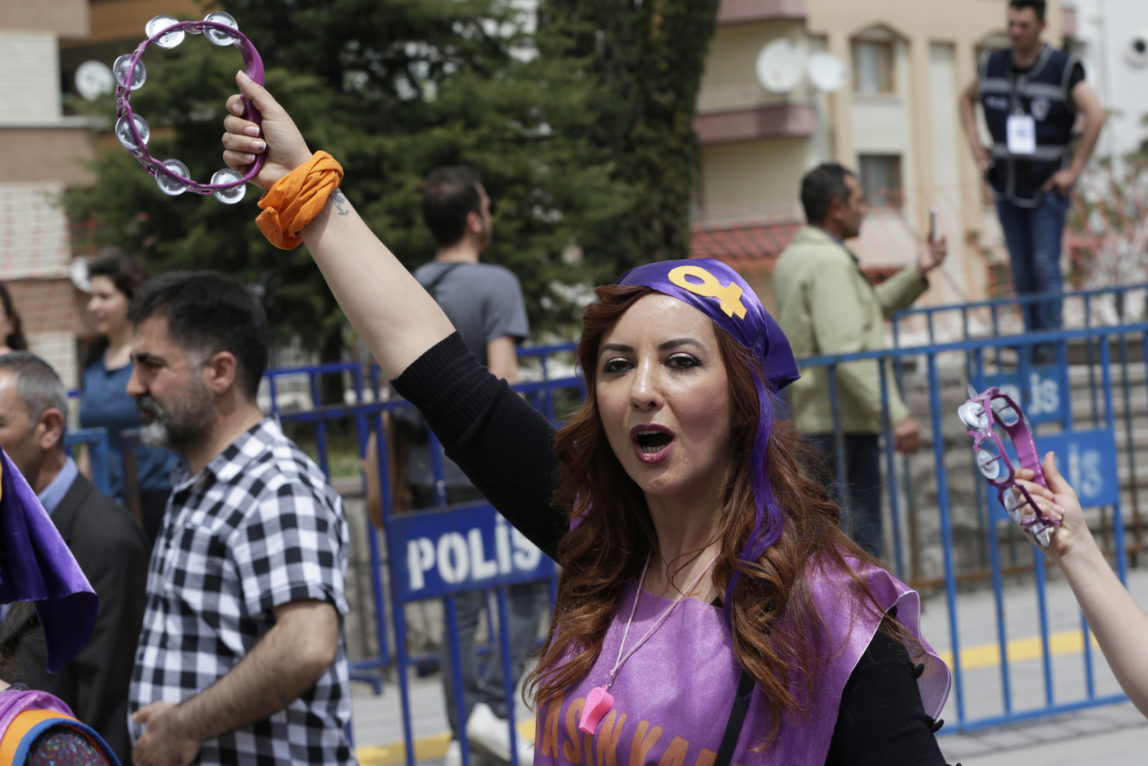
(392,88)
(646,58)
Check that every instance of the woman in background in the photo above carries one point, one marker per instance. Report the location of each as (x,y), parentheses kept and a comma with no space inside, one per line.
(11,327)
(105,403)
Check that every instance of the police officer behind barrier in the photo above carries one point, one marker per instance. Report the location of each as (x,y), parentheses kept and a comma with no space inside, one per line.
(1032,96)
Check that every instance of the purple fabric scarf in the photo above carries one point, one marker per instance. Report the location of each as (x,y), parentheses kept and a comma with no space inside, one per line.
(720,293)
(36,565)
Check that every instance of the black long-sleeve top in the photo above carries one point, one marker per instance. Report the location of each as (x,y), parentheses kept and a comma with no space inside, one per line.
(506,448)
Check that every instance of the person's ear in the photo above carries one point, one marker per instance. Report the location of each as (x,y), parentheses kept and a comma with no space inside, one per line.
(836,207)
(474,223)
(51,429)
(220,371)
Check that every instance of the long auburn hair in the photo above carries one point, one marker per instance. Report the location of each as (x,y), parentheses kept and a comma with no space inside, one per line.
(612,535)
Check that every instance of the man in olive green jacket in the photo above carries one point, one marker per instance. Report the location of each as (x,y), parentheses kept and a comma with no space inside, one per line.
(826,305)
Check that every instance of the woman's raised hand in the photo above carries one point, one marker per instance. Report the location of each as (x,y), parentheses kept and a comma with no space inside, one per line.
(278,138)
(357,266)
(1058,502)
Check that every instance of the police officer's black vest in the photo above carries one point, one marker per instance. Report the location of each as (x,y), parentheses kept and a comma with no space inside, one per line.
(1042,93)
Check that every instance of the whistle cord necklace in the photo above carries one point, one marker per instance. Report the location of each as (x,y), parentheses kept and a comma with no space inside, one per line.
(599,701)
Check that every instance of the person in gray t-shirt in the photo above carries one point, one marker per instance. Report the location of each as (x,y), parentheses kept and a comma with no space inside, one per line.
(484,302)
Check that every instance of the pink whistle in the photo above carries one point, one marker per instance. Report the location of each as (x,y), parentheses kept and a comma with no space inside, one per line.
(599,702)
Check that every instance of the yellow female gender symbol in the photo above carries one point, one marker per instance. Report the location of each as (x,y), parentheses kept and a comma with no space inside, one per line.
(710,287)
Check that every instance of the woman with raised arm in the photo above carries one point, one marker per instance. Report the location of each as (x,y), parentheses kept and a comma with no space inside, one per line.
(709,608)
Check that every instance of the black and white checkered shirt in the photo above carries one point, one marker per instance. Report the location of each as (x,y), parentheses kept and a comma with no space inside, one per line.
(257,528)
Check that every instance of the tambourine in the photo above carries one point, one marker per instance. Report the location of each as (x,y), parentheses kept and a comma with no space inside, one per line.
(979,415)
(133,131)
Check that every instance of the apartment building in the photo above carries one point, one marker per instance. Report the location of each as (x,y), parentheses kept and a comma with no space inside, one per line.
(46,144)
(901,65)
(44,147)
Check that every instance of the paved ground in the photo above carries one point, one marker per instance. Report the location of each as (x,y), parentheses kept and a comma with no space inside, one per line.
(1100,736)
(1107,735)
(1114,735)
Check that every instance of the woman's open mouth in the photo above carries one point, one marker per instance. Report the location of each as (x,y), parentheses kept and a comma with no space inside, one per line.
(651,443)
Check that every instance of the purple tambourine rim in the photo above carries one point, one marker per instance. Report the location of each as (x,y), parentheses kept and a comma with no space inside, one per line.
(1021,435)
(253,66)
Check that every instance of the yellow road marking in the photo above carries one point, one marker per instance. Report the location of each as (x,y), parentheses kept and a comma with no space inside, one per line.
(1019,650)
(433,747)
(430,748)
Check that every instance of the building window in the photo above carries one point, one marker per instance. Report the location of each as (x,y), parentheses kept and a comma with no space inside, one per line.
(873,67)
(881,179)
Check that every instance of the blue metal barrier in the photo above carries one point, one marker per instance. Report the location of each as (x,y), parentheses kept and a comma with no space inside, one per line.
(440,553)
(1085,440)
(1082,430)
(998,306)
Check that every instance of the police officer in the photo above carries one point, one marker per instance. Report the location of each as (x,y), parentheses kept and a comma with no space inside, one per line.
(1032,96)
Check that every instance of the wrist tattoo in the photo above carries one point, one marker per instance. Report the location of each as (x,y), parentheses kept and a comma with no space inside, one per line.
(339,200)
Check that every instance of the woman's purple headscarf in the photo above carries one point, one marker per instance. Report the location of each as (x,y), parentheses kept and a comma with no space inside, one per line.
(720,293)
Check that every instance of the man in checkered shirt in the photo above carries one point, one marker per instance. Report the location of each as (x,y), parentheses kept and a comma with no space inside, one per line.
(241,657)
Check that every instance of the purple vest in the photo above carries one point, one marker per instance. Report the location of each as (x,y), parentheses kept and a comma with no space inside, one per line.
(673,696)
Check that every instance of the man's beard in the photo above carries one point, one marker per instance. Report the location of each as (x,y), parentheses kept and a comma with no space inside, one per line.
(181,427)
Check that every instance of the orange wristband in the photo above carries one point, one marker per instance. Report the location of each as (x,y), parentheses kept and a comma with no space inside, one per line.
(294,200)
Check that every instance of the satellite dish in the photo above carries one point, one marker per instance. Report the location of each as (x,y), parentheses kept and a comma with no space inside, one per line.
(1137,51)
(78,273)
(826,72)
(779,67)
(94,79)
